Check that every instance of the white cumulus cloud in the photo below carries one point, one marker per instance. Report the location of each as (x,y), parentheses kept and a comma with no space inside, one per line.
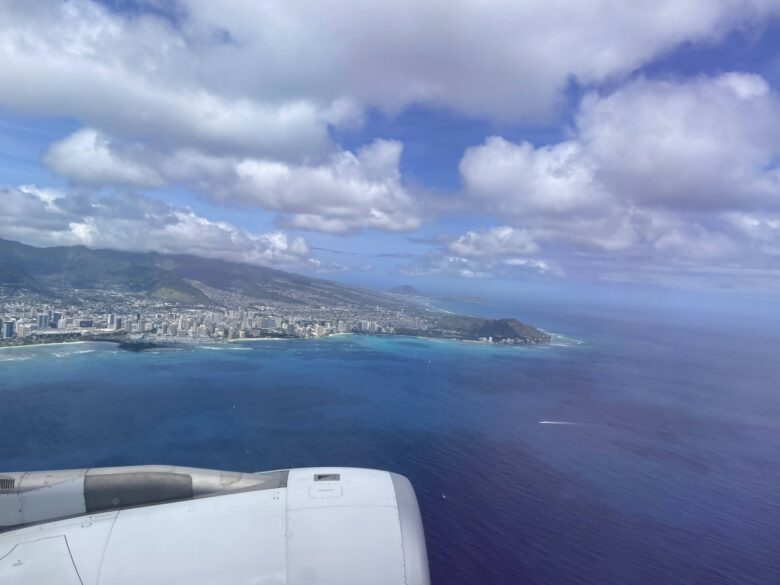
(87,157)
(47,217)
(267,78)
(346,192)
(496,251)
(497,241)
(654,170)
(240,100)
(351,191)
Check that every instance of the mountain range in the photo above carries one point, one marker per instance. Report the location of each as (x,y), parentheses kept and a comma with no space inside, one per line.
(161,276)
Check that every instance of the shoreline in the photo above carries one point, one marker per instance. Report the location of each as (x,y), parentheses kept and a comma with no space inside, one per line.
(472,341)
(323,338)
(246,339)
(29,345)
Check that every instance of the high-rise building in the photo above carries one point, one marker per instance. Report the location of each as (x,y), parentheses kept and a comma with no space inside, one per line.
(8,329)
(43,321)
(270,323)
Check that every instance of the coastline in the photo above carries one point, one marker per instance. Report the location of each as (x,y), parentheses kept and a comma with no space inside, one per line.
(247,339)
(29,345)
(472,341)
(334,335)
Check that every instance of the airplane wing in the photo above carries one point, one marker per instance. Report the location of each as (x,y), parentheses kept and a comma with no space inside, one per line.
(178,525)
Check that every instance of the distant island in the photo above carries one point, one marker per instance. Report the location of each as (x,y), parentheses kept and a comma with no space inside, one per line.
(406,290)
(473,299)
(73,293)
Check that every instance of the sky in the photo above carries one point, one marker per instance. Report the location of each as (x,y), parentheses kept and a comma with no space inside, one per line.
(449,144)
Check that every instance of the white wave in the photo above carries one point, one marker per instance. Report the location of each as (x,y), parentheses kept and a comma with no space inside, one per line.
(15,359)
(563,341)
(559,422)
(69,353)
(212,348)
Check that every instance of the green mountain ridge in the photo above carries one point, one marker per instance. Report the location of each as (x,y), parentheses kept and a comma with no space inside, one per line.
(167,276)
(406,290)
(17,279)
(11,274)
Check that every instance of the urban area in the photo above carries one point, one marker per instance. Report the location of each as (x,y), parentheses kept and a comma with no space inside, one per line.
(164,322)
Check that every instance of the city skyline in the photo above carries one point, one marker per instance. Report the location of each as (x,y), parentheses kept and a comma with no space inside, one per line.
(72,293)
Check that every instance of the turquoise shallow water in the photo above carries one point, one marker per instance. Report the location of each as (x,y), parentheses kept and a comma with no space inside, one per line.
(669,471)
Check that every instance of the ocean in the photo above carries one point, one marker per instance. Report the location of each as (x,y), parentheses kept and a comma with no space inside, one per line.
(641,447)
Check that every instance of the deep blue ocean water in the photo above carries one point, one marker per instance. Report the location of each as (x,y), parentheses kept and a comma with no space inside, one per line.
(669,471)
